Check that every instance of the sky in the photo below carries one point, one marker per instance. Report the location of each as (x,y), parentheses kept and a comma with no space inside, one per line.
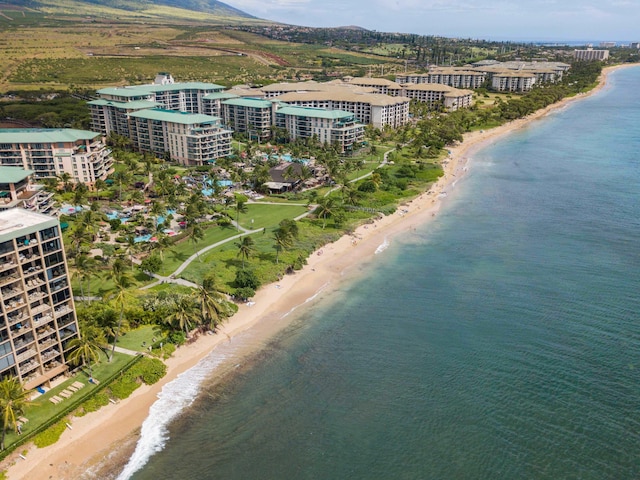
(530,20)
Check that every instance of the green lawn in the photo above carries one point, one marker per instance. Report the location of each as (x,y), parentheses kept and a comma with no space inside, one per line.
(263,215)
(134,339)
(180,252)
(42,409)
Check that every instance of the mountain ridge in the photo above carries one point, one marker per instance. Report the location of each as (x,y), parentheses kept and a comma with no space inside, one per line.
(146,7)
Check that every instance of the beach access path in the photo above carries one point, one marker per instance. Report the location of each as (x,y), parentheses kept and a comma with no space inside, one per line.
(97,437)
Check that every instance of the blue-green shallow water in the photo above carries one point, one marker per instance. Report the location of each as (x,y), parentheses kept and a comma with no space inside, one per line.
(501,341)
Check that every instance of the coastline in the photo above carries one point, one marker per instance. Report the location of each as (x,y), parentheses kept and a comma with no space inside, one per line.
(113,428)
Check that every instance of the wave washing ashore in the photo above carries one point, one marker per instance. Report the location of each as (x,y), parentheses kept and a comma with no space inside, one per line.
(111,434)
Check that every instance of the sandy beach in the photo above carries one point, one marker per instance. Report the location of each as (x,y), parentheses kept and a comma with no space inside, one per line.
(114,428)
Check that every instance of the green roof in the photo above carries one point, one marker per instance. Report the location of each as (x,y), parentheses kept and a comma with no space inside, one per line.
(13,174)
(217,95)
(248,102)
(133,105)
(314,112)
(173,116)
(144,90)
(45,135)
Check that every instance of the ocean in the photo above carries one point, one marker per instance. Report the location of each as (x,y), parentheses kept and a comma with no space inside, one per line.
(499,341)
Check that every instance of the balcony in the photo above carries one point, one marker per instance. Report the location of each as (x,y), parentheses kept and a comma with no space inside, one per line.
(25,355)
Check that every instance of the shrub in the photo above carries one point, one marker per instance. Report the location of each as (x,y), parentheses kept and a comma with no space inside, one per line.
(93,404)
(123,387)
(50,435)
(149,370)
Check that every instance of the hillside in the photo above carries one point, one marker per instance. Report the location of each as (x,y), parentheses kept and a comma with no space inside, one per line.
(193,9)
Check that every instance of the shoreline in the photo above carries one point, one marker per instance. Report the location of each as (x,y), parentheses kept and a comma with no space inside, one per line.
(112,431)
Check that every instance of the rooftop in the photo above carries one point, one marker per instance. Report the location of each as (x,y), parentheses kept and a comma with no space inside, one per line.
(314,112)
(249,102)
(143,90)
(45,135)
(133,105)
(17,221)
(13,174)
(173,116)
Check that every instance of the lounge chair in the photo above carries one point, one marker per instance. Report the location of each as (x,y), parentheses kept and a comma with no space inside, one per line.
(78,384)
(66,393)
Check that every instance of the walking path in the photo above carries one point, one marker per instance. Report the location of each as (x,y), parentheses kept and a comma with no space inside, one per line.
(181,281)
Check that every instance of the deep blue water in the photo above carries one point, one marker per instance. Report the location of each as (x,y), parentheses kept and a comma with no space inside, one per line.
(500,341)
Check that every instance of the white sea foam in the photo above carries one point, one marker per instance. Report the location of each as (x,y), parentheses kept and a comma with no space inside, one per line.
(172,400)
(382,247)
(310,299)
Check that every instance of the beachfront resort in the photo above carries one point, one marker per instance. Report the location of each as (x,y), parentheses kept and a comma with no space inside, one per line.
(185,199)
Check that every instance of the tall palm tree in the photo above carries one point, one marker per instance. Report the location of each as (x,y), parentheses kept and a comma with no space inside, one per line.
(325,209)
(184,315)
(121,282)
(241,207)
(86,268)
(86,347)
(283,240)
(246,247)
(13,401)
(213,306)
(196,233)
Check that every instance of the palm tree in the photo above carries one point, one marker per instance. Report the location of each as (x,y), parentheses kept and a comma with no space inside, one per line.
(122,281)
(157,209)
(86,267)
(246,247)
(241,207)
(13,401)
(78,236)
(86,347)
(325,209)
(196,233)
(212,303)
(131,247)
(184,315)
(283,239)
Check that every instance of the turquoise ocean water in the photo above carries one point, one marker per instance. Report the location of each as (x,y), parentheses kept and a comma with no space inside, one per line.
(501,341)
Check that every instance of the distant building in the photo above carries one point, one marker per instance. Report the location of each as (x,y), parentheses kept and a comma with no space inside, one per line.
(453,77)
(607,44)
(435,94)
(213,102)
(590,54)
(50,152)
(17,191)
(251,116)
(37,314)
(189,138)
(513,81)
(381,85)
(334,127)
(635,45)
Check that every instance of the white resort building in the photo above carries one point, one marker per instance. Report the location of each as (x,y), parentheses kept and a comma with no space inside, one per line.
(50,152)
(37,316)
(189,138)
(17,191)
(328,126)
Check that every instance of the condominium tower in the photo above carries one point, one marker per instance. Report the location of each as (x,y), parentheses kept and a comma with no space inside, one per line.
(37,315)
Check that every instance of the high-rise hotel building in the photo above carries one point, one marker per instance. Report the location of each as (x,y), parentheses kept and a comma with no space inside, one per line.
(37,314)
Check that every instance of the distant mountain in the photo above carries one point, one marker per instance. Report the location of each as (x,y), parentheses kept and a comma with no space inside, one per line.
(211,7)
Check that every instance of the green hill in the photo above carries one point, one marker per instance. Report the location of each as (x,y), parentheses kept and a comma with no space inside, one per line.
(194,9)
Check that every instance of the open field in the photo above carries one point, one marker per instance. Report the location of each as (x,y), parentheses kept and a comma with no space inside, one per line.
(59,53)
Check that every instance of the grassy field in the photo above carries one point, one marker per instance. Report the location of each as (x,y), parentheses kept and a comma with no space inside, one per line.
(67,51)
